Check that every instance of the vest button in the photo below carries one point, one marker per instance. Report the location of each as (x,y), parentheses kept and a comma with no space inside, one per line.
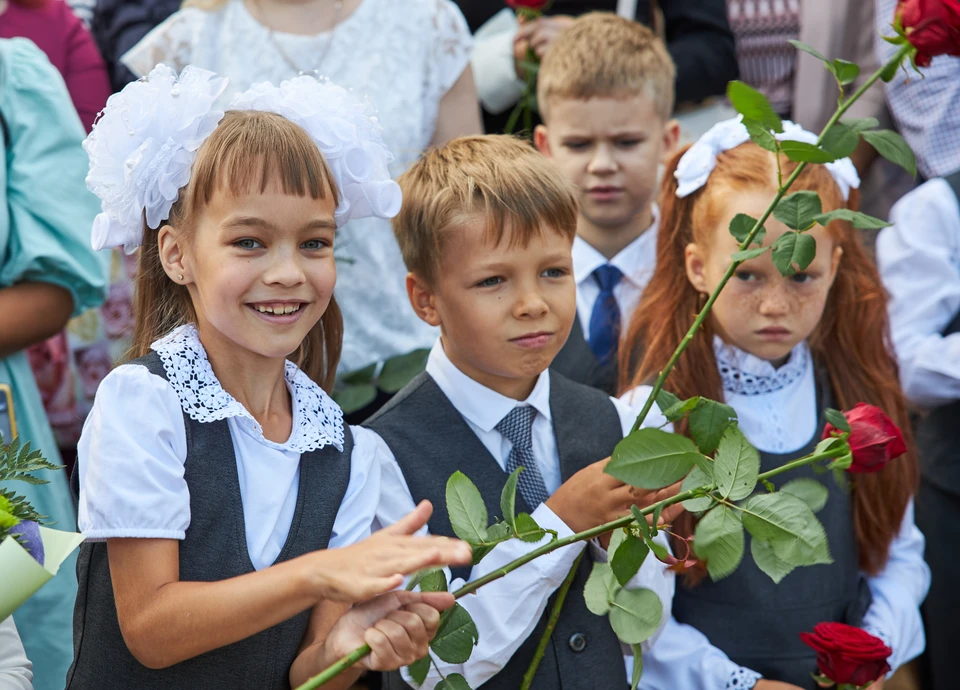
(577,642)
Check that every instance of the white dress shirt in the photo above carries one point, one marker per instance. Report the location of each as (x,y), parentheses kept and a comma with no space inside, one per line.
(683,656)
(507,610)
(133,447)
(636,261)
(919,261)
(16,671)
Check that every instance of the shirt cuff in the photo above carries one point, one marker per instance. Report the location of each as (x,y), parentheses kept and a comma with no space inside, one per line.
(742,679)
(554,566)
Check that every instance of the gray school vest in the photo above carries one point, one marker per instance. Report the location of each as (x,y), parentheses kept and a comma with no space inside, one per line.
(215,548)
(431,441)
(939,432)
(577,362)
(756,622)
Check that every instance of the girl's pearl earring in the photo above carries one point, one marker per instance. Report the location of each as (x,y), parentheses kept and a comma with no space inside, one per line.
(179,276)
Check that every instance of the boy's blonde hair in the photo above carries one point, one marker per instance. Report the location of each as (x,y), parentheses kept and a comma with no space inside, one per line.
(602,55)
(496,178)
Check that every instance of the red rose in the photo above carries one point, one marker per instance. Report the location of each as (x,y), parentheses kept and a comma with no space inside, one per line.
(532,5)
(848,655)
(931,26)
(874,439)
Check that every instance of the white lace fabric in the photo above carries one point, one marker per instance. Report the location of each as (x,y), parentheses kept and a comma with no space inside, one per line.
(317,419)
(742,679)
(745,374)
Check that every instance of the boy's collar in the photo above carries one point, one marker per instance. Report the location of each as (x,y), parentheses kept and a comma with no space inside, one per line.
(634,260)
(480,405)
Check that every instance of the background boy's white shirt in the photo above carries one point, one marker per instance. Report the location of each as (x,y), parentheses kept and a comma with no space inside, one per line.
(919,262)
(507,610)
(16,671)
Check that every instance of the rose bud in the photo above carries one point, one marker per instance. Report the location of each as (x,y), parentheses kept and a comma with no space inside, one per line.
(532,5)
(874,439)
(27,533)
(846,654)
(931,26)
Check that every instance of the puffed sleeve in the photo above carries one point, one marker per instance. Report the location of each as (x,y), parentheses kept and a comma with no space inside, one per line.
(451,49)
(358,509)
(130,460)
(51,211)
(172,42)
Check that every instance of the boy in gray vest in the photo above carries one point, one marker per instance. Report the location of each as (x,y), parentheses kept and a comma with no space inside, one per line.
(486,231)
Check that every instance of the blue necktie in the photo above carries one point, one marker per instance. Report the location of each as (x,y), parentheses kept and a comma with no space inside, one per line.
(517,427)
(605,319)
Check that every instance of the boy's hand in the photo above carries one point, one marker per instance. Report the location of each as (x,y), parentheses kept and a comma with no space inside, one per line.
(643,498)
(590,498)
(398,627)
(378,564)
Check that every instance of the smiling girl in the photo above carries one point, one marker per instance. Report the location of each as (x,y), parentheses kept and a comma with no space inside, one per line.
(215,467)
(779,350)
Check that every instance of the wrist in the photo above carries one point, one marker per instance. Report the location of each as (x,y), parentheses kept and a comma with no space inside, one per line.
(311,576)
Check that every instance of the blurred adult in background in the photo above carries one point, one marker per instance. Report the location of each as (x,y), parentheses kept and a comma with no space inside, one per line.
(409,58)
(696,32)
(118,25)
(919,259)
(48,272)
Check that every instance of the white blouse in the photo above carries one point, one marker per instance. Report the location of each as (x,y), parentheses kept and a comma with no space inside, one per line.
(133,447)
(16,671)
(777,411)
(404,57)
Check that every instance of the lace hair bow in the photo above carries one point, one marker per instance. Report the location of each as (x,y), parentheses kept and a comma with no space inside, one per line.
(698,162)
(144,144)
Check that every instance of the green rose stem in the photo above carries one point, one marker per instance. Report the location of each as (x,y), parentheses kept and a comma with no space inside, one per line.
(346,662)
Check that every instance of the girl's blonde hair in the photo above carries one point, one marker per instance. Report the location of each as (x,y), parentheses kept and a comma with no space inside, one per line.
(851,341)
(247,151)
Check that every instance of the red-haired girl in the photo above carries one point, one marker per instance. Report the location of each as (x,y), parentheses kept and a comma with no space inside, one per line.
(779,350)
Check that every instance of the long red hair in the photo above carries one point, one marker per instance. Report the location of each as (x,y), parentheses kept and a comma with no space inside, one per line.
(851,341)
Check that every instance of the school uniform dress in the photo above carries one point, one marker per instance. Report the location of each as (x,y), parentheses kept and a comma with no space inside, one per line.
(167,453)
(919,261)
(444,421)
(607,295)
(44,237)
(728,634)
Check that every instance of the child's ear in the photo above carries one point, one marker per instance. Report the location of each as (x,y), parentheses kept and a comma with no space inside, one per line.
(835,258)
(671,137)
(541,141)
(695,261)
(422,299)
(171,255)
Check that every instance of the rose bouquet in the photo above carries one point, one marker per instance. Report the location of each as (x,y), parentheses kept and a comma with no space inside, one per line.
(30,554)
(720,471)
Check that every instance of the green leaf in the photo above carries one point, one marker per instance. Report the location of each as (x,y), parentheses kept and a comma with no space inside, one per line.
(718,539)
(802,152)
(753,105)
(628,558)
(890,70)
(840,140)
(798,211)
(364,375)
(742,224)
(748,254)
(836,418)
(855,218)
(641,521)
(793,248)
(456,637)
(635,614)
(600,589)
(826,444)
(677,411)
(736,465)
(811,50)
(617,537)
(528,530)
(846,72)
(433,580)
(768,562)
(659,550)
(696,479)
(466,509)
(353,398)
(861,124)
(496,533)
(808,490)
(508,499)
(708,423)
(398,371)
(893,147)
(637,666)
(652,459)
(453,681)
(760,135)
(794,532)
(655,520)
(666,400)
(418,670)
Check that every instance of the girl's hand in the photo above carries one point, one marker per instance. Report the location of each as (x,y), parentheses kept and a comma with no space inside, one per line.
(398,627)
(541,32)
(764,684)
(378,564)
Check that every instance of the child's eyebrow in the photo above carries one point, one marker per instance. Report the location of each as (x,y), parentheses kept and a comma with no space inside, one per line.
(255,222)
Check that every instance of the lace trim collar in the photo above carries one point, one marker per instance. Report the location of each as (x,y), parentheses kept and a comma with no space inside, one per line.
(317,419)
(745,374)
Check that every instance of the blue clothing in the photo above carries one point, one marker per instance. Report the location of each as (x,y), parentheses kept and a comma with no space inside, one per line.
(44,237)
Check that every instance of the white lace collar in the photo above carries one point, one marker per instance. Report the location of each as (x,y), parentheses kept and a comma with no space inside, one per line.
(746,374)
(317,419)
